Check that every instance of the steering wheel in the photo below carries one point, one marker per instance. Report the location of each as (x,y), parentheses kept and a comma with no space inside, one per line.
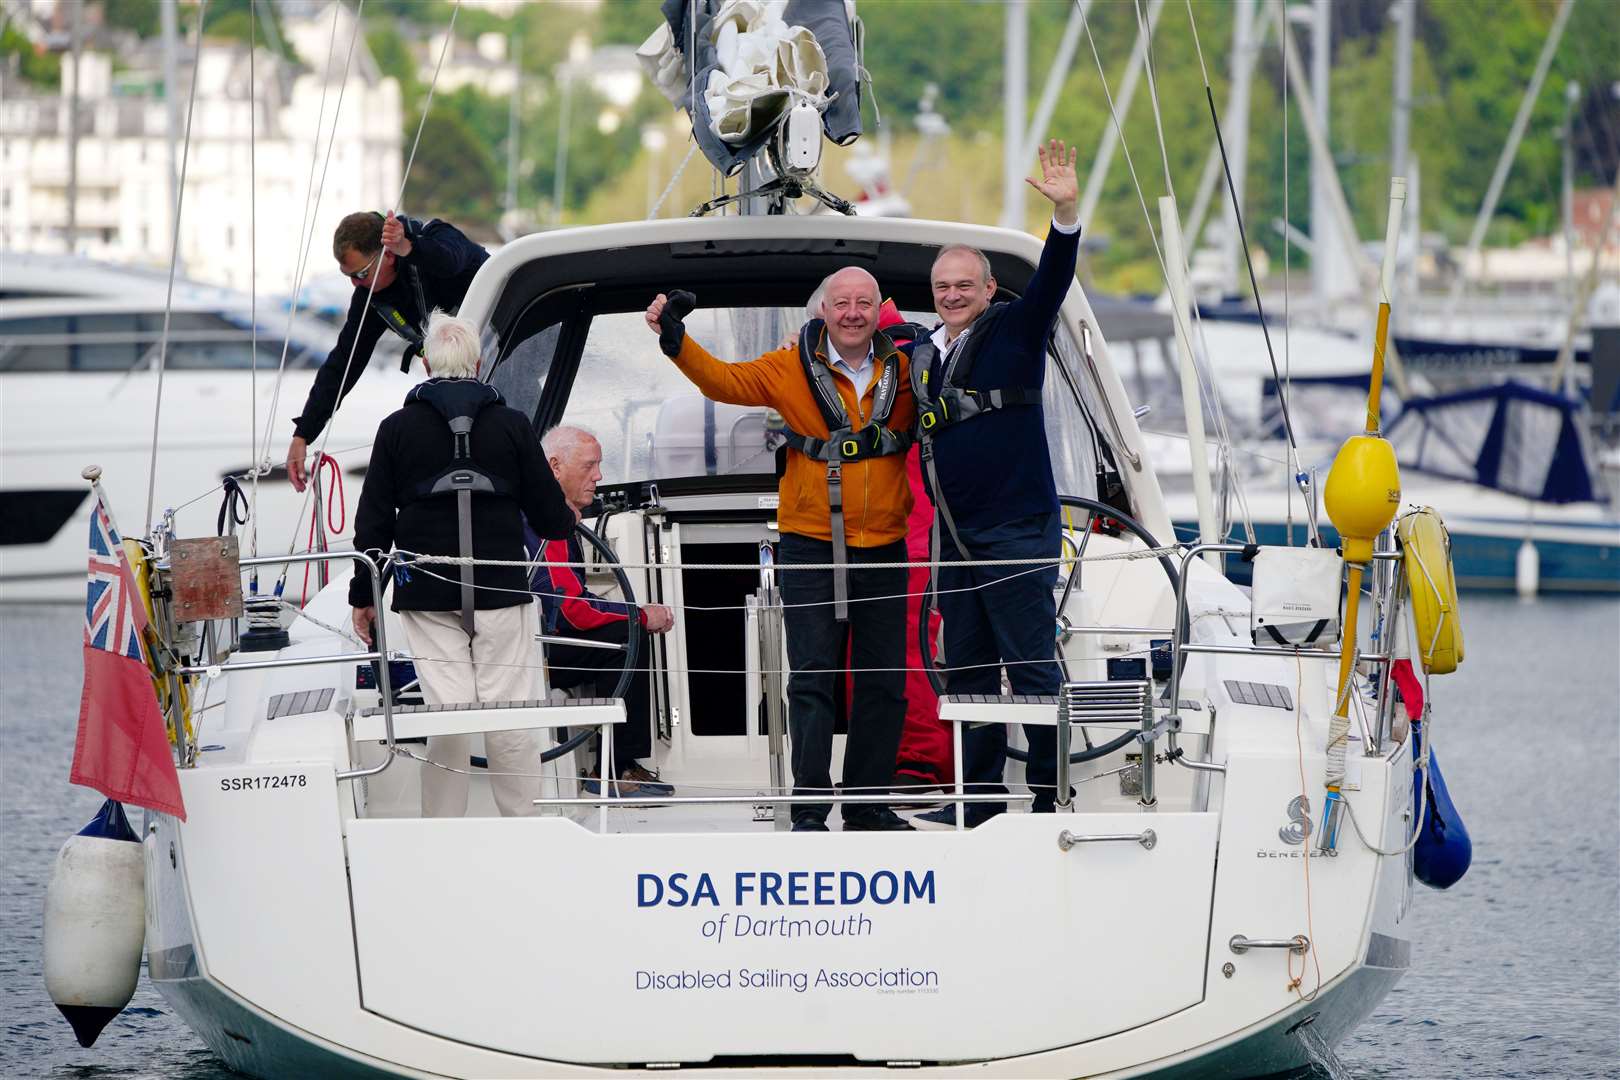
(1093,506)
(631,647)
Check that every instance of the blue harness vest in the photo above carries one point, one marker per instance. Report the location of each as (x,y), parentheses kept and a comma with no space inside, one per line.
(953,403)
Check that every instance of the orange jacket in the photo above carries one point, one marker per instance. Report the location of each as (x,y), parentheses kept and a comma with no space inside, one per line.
(877,498)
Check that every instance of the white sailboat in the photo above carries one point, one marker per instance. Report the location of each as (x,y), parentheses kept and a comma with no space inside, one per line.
(1110,940)
(1191,910)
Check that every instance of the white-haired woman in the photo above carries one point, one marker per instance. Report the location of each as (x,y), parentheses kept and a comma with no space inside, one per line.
(414,448)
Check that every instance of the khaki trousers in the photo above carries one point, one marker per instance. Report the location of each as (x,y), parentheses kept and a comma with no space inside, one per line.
(501,665)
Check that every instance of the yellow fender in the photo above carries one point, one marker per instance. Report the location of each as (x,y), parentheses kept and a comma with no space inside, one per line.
(1431,590)
(155,657)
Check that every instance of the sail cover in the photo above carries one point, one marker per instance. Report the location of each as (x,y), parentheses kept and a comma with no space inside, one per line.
(694,60)
(1512,437)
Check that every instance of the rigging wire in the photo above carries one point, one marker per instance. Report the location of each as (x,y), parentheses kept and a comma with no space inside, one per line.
(1287,387)
(354,346)
(1141,198)
(174,262)
(306,231)
(253,274)
(1243,236)
(1202,364)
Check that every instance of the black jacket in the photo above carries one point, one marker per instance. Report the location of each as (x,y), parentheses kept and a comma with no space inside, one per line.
(444,260)
(413,447)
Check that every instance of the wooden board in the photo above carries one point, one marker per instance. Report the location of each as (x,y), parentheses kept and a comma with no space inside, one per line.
(206,577)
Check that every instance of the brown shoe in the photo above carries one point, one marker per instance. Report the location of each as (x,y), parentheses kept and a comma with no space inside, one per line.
(644,781)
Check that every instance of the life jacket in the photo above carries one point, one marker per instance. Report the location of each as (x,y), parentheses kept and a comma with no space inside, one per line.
(459,401)
(844,442)
(952,402)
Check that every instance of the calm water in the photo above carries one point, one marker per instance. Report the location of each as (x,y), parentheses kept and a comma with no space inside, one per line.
(1516,971)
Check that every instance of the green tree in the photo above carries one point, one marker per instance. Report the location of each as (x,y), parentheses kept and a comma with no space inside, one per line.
(454,175)
(40,68)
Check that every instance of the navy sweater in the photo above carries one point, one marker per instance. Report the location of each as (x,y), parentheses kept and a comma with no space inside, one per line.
(445,260)
(996,467)
(414,446)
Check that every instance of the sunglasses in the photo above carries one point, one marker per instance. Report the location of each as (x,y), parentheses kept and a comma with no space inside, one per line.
(365,271)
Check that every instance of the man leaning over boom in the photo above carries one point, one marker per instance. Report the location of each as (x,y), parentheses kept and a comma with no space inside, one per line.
(843,392)
(983,435)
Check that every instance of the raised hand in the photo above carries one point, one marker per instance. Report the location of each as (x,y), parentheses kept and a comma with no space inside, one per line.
(654,310)
(393,236)
(1058,181)
(664,317)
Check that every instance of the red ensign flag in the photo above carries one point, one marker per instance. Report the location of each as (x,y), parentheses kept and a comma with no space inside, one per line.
(122,748)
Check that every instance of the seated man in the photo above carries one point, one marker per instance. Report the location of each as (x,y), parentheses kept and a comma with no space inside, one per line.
(572,610)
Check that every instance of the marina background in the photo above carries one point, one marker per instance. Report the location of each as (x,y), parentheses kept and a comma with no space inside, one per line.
(1516,972)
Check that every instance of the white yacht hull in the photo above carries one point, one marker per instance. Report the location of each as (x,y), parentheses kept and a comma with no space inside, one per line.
(295,935)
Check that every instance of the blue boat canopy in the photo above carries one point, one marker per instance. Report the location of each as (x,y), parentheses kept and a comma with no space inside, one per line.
(1512,437)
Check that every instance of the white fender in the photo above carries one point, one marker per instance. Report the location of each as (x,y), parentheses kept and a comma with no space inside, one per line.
(95,926)
(1527,569)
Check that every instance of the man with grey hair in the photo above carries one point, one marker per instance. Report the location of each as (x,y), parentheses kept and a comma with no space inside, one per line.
(843,392)
(472,633)
(570,610)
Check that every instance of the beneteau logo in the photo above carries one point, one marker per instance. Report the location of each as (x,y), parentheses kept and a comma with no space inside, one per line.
(1298,830)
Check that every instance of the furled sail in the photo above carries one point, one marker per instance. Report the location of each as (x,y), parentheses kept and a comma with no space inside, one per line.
(737,66)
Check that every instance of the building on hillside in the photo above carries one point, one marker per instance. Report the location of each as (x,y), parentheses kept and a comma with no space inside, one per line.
(482,64)
(263,127)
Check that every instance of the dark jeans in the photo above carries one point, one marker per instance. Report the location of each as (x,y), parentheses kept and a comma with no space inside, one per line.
(815,644)
(997,615)
(572,666)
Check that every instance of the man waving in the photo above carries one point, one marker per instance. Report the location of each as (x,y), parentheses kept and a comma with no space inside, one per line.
(978,383)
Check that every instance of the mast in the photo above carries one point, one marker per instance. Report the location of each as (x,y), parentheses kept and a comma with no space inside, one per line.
(1404,14)
(1015,93)
(171,80)
(1329,266)
(1054,78)
(508,228)
(1244,48)
(1322,162)
(1509,151)
(1110,135)
(1572,98)
(76,48)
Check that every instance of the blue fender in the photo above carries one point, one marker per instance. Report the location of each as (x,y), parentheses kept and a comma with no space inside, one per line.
(110,823)
(1444,851)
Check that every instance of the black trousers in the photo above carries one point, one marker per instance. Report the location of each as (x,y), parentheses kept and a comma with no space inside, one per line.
(815,643)
(1003,615)
(573,666)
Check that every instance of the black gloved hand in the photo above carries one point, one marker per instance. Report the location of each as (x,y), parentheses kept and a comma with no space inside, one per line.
(671,330)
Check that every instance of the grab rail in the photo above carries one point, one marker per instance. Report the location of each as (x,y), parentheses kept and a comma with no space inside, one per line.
(1299,944)
(379,653)
(1172,722)
(1147,838)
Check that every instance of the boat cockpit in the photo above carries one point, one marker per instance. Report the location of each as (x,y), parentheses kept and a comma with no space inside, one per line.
(687,507)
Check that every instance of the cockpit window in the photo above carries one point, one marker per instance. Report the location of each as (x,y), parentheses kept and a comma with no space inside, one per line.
(652,422)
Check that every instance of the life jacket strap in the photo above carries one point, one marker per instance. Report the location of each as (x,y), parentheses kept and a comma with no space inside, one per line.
(956,404)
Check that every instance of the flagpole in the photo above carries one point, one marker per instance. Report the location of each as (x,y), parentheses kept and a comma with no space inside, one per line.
(92,473)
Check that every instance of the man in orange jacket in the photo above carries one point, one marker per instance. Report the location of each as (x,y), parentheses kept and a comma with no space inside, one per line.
(844,393)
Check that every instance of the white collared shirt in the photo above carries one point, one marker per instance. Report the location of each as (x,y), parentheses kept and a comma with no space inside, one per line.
(940,337)
(861,376)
